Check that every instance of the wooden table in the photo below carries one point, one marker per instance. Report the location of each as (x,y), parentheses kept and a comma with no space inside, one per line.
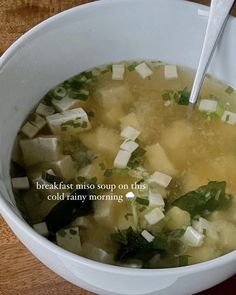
(20,272)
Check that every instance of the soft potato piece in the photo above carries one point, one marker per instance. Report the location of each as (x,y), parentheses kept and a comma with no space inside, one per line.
(227,235)
(201,254)
(157,159)
(130,120)
(93,170)
(177,218)
(113,116)
(113,95)
(177,135)
(102,140)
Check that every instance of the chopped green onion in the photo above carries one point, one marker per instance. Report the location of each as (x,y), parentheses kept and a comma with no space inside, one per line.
(183,260)
(141,201)
(229,90)
(108,173)
(59,92)
(102,166)
(51,178)
(128,215)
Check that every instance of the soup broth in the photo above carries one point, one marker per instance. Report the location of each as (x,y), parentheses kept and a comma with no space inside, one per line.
(112,166)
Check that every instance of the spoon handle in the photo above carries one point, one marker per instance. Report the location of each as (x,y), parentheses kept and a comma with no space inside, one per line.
(219,14)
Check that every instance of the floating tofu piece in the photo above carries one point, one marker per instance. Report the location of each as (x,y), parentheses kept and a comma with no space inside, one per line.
(143,70)
(75,120)
(154,216)
(229,117)
(147,236)
(130,120)
(66,103)
(20,183)
(103,210)
(202,225)
(208,105)
(113,96)
(129,146)
(29,130)
(192,237)
(40,149)
(122,159)
(65,167)
(82,222)
(155,199)
(157,159)
(97,254)
(44,110)
(69,239)
(160,179)
(130,133)
(171,72)
(37,120)
(85,171)
(118,72)
(41,228)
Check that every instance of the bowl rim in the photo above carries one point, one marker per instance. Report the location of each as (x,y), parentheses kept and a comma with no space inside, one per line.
(30,232)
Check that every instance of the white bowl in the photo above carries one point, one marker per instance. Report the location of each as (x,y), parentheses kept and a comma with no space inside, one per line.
(78,39)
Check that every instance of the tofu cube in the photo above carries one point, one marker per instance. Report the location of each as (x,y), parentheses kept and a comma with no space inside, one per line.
(118,72)
(143,70)
(44,110)
(229,117)
(122,159)
(154,216)
(65,168)
(37,121)
(66,103)
(147,236)
(171,72)
(155,199)
(74,121)
(160,179)
(129,146)
(103,210)
(192,237)
(20,183)
(130,133)
(41,228)
(40,149)
(69,239)
(157,159)
(208,105)
(29,130)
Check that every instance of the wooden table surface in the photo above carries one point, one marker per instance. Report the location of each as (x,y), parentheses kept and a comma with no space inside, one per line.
(20,272)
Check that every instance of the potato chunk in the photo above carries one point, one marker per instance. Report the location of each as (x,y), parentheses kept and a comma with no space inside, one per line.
(102,140)
(177,218)
(157,159)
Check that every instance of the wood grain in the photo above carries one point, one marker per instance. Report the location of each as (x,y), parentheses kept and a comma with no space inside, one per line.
(20,272)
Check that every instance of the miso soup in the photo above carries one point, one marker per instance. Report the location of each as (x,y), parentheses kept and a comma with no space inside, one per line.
(111,165)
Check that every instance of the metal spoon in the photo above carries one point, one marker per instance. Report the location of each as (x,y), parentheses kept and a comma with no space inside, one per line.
(219,14)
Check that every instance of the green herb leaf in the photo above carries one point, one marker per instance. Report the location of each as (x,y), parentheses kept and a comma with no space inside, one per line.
(209,197)
(108,173)
(183,260)
(141,201)
(229,90)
